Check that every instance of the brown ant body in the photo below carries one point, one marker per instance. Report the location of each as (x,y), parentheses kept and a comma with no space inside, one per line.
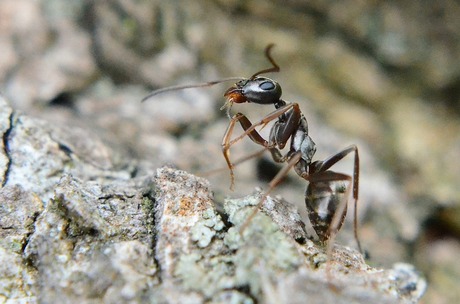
(326,196)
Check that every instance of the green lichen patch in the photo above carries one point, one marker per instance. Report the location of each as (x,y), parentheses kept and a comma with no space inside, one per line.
(235,260)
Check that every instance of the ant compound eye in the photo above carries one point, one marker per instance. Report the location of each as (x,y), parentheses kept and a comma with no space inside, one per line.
(267,85)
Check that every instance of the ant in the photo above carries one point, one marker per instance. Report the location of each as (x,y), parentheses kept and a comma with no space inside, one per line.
(327,193)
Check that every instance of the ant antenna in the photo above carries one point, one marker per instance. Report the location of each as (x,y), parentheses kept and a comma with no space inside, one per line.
(189,86)
(274,68)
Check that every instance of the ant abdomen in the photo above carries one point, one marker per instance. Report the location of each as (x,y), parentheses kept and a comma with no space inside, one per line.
(323,200)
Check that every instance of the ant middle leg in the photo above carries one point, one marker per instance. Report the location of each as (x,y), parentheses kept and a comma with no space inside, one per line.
(293,160)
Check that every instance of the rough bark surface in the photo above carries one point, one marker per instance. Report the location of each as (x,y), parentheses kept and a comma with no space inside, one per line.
(80,226)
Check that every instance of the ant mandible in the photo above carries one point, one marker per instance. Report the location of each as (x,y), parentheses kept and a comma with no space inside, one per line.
(326,196)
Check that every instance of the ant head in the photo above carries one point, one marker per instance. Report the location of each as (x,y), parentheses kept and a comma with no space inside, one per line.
(260,90)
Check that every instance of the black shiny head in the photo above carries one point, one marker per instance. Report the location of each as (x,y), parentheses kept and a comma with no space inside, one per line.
(260,90)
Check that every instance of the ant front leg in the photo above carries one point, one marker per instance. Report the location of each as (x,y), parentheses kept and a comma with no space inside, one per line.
(280,134)
(267,119)
(226,143)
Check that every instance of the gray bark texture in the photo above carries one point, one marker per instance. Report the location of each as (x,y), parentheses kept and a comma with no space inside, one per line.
(79,225)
